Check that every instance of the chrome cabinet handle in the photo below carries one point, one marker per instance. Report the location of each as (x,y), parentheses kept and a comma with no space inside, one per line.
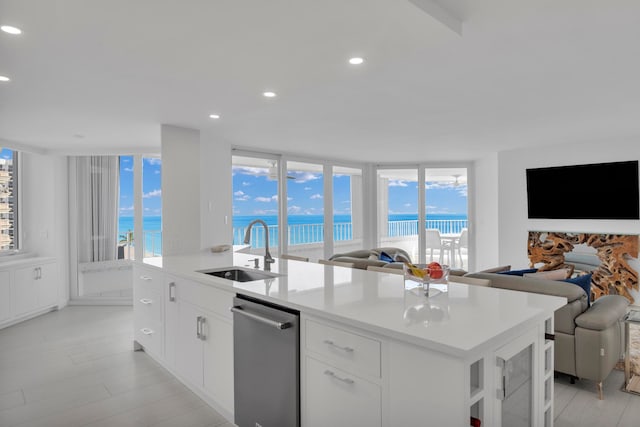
(332,344)
(198,334)
(39,273)
(35,273)
(146,331)
(172,288)
(146,301)
(203,320)
(333,375)
(147,278)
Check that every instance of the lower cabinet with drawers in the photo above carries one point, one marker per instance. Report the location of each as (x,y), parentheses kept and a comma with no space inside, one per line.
(341,376)
(187,327)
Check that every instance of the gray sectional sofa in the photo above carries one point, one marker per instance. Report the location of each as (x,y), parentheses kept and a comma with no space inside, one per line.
(371,257)
(588,339)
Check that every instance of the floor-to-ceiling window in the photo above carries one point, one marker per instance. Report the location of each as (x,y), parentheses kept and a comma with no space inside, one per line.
(152,206)
(446,209)
(114,222)
(398,209)
(305,209)
(347,209)
(126,248)
(8,200)
(255,196)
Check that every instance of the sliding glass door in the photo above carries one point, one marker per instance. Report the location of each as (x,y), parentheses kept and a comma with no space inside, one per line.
(446,207)
(424,210)
(397,200)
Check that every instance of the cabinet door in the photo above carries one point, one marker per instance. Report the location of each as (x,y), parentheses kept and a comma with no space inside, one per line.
(47,283)
(517,364)
(218,360)
(25,290)
(337,398)
(171,320)
(189,357)
(5,291)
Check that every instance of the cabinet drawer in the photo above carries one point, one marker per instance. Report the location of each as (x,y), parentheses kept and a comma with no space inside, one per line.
(149,335)
(337,398)
(351,351)
(205,296)
(147,280)
(148,306)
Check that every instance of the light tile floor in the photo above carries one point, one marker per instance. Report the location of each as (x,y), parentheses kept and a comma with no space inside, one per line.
(76,367)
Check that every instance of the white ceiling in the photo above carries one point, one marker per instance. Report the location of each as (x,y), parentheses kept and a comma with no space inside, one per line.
(522,73)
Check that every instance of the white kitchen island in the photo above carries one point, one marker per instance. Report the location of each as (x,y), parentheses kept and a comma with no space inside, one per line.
(411,361)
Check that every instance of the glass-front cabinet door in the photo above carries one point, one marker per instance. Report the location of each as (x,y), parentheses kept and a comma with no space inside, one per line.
(517,390)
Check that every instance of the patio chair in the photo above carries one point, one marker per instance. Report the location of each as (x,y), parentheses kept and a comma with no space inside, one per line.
(435,242)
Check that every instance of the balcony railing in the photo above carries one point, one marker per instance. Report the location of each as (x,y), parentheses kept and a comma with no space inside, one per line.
(314,233)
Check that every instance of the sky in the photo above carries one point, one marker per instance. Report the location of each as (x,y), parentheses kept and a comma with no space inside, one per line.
(255,194)
(5,153)
(151,186)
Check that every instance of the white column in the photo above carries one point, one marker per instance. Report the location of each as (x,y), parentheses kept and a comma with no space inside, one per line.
(180,190)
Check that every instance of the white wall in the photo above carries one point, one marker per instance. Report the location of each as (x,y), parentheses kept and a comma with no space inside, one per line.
(512,208)
(44,211)
(215,189)
(484,218)
(180,190)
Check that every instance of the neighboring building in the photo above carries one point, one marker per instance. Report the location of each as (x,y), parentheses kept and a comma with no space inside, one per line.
(7,206)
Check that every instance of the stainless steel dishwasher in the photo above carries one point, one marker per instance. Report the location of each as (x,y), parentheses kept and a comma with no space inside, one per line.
(266,351)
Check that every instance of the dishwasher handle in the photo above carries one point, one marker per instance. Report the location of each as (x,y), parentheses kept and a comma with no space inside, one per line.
(273,323)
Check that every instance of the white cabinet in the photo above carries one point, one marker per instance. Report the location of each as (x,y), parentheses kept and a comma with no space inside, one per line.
(187,327)
(25,290)
(353,377)
(339,398)
(47,284)
(341,376)
(148,310)
(29,287)
(205,343)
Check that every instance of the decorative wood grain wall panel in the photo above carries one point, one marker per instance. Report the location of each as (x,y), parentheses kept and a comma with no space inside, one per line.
(612,276)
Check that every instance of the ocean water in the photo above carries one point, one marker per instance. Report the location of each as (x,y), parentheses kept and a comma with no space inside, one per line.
(151,226)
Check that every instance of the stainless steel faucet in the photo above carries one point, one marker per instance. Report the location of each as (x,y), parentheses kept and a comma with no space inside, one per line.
(268,259)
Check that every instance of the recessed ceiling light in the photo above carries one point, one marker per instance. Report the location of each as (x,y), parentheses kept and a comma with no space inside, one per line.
(356,60)
(214,116)
(4,79)
(11,30)
(269,94)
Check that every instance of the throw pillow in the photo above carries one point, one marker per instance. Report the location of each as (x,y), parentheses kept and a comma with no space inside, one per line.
(518,272)
(385,257)
(584,282)
(559,274)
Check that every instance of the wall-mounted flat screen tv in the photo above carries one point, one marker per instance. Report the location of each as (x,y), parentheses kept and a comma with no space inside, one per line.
(591,191)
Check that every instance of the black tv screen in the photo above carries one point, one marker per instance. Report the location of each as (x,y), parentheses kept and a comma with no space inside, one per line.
(592,191)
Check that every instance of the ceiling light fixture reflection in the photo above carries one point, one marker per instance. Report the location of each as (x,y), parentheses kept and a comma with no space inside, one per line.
(214,116)
(356,60)
(4,79)
(11,30)
(269,94)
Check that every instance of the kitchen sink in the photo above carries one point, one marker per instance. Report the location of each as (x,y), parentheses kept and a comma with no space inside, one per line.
(240,274)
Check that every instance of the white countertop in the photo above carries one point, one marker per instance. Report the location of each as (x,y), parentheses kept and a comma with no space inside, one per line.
(461,321)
